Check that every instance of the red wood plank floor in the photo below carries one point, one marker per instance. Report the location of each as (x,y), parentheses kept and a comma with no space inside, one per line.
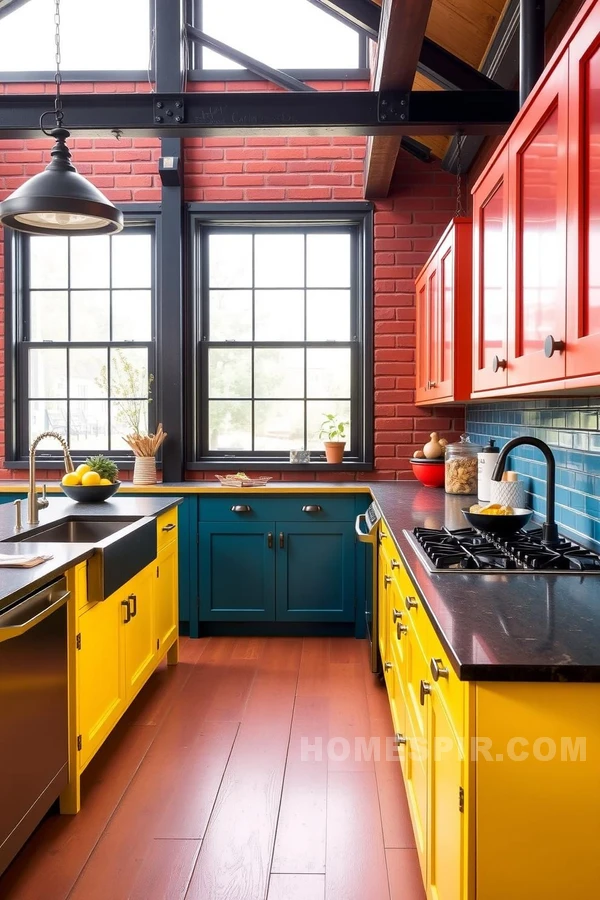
(254,770)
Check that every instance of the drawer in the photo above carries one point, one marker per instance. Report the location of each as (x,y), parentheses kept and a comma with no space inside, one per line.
(166,528)
(250,507)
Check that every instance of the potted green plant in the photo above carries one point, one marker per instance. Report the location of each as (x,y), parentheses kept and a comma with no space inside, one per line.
(333,434)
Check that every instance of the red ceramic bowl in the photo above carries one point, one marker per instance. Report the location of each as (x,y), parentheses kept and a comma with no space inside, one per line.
(430,472)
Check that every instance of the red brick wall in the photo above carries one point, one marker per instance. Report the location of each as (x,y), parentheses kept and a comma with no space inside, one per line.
(407,225)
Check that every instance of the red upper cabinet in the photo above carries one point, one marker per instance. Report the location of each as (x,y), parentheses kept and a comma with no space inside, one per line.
(490,276)
(583,319)
(537,235)
(443,291)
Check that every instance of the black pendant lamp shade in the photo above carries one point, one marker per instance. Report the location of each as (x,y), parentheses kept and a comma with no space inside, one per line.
(60,200)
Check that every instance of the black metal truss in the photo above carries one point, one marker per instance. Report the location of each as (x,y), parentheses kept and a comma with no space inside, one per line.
(236,114)
(276,76)
(362,15)
(8,6)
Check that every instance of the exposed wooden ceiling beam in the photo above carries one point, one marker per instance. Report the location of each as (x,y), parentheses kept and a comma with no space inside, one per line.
(401,33)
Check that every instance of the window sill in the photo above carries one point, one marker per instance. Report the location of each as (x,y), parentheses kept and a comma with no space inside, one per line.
(125,465)
(278,466)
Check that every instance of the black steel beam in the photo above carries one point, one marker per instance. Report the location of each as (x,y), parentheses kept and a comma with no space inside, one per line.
(248,62)
(531,45)
(451,72)
(170,77)
(8,6)
(362,15)
(237,114)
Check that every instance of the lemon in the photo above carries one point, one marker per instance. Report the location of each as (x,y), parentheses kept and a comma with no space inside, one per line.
(70,479)
(83,469)
(90,478)
(105,481)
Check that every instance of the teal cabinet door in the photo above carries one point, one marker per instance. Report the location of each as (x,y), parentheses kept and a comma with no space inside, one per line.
(237,571)
(315,572)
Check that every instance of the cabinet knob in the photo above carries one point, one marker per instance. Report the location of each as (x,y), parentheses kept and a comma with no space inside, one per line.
(438,669)
(431,384)
(400,739)
(382,536)
(395,564)
(387,666)
(411,603)
(270,540)
(397,614)
(425,690)
(498,363)
(242,508)
(387,579)
(312,508)
(551,346)
(400,630)
(281,540)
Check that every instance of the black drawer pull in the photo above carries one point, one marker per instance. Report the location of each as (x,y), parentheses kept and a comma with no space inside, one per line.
(128,611)
(270,540)
(169,527)
(242,508)
(281,540)
(134,598)
(312,508)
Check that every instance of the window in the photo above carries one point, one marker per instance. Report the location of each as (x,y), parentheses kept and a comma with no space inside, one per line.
(84,326)
(292,34)
(111,35)
(283,322)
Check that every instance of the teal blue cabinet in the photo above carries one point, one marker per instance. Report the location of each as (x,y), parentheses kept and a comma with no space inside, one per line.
(315,572)
(237,571)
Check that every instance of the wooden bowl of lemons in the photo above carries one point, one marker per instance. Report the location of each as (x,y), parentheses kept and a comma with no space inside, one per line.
(93,481)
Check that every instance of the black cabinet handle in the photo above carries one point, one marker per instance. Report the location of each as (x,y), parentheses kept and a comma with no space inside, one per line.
(551,346)
(128,613)
(134,598)
(281,540)
(242,508)
(270,541)
(312,508)
(169,527)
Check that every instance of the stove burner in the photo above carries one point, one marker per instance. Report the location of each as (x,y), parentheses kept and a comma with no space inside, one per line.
(466,548)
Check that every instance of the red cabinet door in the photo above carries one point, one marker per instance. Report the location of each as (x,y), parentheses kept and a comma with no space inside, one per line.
(537,236)
(442,326)
(490,272)
(423,344)
(583,271)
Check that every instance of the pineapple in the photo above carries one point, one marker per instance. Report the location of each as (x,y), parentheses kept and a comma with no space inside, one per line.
(104,466)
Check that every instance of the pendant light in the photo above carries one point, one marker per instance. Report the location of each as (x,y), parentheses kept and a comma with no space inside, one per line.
(59,200)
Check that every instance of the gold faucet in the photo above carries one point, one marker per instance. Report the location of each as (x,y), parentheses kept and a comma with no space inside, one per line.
(33,503)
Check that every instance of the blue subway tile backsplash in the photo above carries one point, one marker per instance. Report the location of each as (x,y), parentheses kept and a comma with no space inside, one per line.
(570,426)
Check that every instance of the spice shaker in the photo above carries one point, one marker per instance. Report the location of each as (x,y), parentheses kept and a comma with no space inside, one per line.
(487,460)
(461,466)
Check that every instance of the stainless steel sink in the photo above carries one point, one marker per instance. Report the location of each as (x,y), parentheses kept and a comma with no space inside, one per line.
(79,531)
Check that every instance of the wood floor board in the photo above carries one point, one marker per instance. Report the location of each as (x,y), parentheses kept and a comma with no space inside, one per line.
(300,845)
(356,864)
(350,738)
(314,667)
(296,887)
(395,816)
(404,875)
(235,857)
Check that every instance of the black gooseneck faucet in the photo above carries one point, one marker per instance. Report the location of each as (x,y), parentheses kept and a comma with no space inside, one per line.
(549,529)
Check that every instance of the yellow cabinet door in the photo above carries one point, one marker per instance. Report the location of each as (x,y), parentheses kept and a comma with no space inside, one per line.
(139,630)
(100,689)
(384,581)
(446,819)
(167,597)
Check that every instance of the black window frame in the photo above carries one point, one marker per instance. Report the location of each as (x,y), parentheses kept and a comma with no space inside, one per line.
(197,73)
(204,217)
(85,75)
(16,253)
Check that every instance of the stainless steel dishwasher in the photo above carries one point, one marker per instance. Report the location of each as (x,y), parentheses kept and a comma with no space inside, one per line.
(33,712)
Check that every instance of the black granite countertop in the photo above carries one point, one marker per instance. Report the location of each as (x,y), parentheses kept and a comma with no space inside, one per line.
(497,627)
(17,583)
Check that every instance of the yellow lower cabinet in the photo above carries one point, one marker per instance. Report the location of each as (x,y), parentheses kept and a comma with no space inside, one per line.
(100,687)
(415,780)
(446,804)
(167,599)
(384,581)
(137,603)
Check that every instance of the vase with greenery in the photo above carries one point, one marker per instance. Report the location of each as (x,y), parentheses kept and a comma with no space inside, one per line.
(333,434)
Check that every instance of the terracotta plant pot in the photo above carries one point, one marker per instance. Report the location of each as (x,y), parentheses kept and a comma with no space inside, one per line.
(334,451)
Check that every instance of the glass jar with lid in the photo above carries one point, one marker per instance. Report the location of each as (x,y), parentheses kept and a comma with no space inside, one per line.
(461,466)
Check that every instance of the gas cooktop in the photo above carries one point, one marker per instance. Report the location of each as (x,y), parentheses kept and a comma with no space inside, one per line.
(444,551)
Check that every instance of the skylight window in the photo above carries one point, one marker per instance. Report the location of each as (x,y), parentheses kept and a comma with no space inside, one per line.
(95,36)
(285,34)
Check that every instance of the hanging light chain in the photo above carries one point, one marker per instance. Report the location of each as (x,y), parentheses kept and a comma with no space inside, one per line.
(460,210)
(58,111)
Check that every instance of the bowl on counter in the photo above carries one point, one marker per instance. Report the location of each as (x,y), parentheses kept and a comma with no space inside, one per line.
(503,526)
(94,493)
(430,472)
